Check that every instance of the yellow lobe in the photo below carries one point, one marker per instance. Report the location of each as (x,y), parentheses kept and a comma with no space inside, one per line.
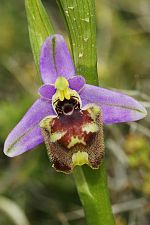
(61,95)
(62,87)
(67,93)
(80,158)
(57,136)
(61,84)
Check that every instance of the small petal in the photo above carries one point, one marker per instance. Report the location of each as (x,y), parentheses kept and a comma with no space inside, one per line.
(55,60)
(47,91)
(116,107)
(27,133)
(76,83)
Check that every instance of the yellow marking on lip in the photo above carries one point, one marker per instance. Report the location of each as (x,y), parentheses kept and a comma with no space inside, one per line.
(76,140)
(80,158)
(57,136)
(90,127)
(45,122)
(94,110)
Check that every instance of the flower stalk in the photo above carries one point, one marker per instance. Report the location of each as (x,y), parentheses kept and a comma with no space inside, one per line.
(94,195)
(91,184)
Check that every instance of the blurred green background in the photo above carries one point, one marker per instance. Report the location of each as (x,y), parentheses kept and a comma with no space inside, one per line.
(31,192)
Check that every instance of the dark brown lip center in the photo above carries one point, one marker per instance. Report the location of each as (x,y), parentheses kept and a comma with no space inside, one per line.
(67,107)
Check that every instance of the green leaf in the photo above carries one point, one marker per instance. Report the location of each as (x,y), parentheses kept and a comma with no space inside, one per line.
(15,213)
(39,26)
(80,19)
(91,184)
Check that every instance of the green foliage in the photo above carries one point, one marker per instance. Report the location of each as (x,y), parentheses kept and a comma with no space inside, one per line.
(137,149)
(81,23)
(39,26)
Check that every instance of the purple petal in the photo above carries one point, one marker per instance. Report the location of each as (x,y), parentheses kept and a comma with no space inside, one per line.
(55,60)
(76,83)
(47,91)
(116,107)
(27,133)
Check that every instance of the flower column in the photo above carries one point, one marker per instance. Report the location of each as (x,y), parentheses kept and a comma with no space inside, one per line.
(91,184)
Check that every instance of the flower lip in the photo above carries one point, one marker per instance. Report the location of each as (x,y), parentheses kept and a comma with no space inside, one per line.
(74,140)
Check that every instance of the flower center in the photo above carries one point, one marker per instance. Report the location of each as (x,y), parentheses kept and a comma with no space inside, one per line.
(62,88)
(65,100)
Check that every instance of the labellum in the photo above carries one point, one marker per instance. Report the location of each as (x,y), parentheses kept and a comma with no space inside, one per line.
(75,135)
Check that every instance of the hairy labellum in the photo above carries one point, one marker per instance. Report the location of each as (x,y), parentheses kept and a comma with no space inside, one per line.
(75,137)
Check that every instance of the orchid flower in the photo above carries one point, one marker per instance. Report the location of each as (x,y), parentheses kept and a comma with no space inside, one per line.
(69,113)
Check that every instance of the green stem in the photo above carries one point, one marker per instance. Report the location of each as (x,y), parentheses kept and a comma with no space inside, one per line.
(93,191)
(91,184)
